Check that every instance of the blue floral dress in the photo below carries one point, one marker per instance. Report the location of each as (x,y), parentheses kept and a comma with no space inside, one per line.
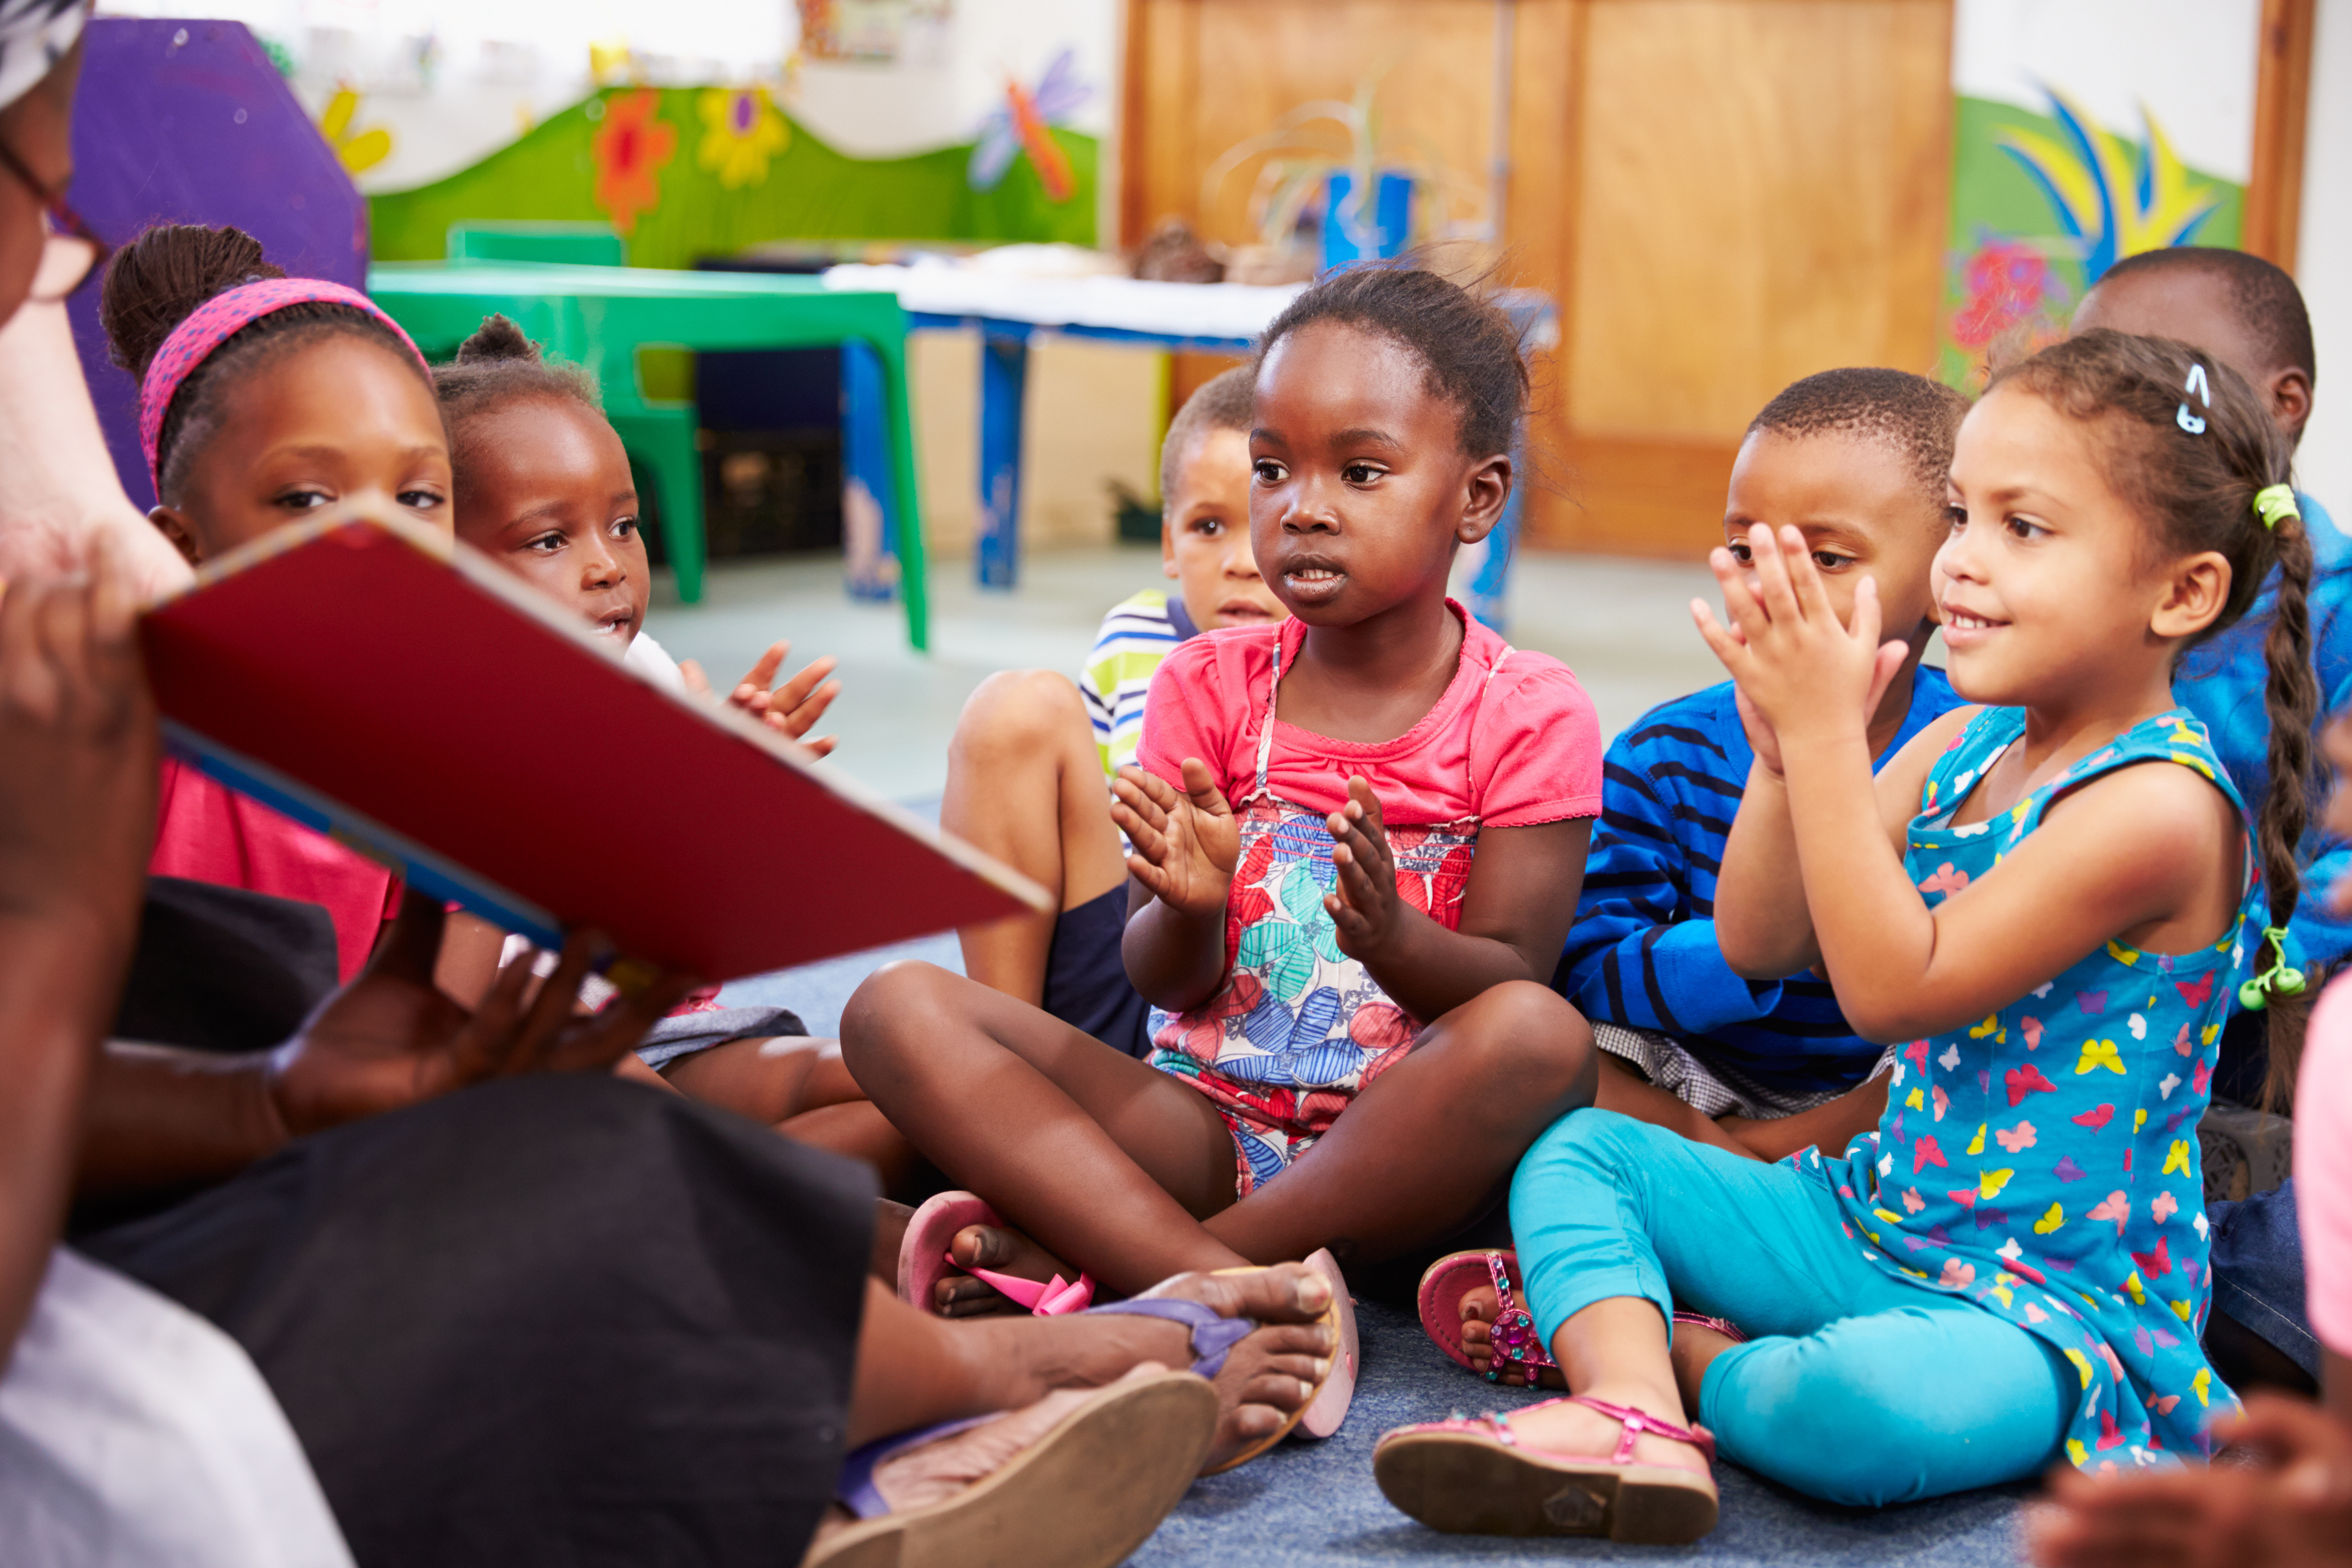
(2043,1162)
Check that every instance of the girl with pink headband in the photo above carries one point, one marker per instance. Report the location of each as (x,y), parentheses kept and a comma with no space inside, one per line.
(263,397)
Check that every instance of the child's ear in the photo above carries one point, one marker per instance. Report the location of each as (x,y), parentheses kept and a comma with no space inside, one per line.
(1488,488)
(1167,545)
(2196,591)
(2290,399)
(174,525)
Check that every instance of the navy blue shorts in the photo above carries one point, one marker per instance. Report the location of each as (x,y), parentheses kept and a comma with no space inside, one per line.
(1086,980)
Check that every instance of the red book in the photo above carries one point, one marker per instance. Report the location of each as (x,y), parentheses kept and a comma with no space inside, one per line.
(387,685)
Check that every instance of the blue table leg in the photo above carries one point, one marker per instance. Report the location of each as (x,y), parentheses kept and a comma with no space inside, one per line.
(869,501)
(1490,579)
(1004,372)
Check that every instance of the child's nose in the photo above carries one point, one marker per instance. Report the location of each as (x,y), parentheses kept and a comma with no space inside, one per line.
(1241,561)
(602,566)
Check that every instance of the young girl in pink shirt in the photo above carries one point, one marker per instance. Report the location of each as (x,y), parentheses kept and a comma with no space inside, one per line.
(1358,837)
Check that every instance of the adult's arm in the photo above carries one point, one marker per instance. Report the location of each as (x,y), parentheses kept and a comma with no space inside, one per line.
(78,763)
(161,1118)
(62,490)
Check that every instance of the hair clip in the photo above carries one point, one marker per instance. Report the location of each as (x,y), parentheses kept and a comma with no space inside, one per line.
(2192,423)
(2276,979)
(2273,502)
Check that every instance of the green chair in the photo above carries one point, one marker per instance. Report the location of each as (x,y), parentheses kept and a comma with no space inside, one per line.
(580,244)
(658,434)
(601,316)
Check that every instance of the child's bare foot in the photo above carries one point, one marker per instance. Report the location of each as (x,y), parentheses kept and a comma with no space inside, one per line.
(1001,1250)
(1478,1341)
(1267,1380)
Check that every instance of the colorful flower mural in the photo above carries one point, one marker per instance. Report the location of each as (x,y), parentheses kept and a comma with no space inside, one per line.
(2005,284)
(742,131)
(2115,198)
(360,151)
(631,147)
(1021,127)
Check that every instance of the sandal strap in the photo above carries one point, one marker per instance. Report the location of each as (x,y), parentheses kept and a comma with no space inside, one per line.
(1636,1423)
(1047,1300)
(1511,1338)
(1213,1334)
(854,1488)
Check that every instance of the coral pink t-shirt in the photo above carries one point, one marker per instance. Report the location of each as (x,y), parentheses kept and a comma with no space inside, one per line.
(207,832)
(2322,1167)
(1513,742)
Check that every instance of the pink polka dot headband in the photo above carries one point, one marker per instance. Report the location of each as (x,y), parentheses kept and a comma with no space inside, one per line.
(217,319)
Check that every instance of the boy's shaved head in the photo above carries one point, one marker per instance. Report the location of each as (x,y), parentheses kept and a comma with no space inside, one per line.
(2268,305)
(2237,307)
(1221,403)
(1918,418)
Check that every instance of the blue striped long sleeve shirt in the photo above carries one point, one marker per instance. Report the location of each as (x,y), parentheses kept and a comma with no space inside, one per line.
(1642,952)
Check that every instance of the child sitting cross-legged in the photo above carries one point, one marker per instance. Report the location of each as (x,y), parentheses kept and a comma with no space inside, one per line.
(2056,914)
(1030,768)
(1858,461)
(1357,835)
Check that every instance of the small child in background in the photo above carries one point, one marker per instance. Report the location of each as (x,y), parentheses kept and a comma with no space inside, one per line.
(542,486)
(1858,460)
(1358,838)
(263,399)
(2011,1270)
(1033,757)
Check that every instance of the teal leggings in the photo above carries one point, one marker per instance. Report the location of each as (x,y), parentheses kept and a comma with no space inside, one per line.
(1854,1385)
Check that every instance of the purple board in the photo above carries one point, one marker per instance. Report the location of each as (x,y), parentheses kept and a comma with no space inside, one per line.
(190,122)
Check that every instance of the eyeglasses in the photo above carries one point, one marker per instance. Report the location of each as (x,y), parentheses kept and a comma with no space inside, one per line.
(74,253)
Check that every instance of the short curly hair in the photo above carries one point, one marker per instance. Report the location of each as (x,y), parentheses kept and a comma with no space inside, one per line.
(1917,417)
(1221,403)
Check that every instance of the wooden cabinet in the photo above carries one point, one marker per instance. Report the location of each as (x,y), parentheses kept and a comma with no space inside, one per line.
(1723,194)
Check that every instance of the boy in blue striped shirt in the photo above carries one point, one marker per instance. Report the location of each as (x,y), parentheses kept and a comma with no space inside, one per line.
(1030,767)
(1858,460)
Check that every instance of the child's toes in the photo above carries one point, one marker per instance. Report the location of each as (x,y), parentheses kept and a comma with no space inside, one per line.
(962,1296)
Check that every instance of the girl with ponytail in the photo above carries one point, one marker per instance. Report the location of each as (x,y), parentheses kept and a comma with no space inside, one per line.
(262,399)
(2064,902)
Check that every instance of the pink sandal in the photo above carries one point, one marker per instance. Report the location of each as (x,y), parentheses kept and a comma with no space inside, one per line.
(924,1260)
(1468,1477)
(1513,1335)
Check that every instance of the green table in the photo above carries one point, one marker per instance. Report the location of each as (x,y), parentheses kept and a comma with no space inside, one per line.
(601,316)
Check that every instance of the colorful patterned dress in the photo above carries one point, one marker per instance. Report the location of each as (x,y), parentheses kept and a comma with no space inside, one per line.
(2043,1162)
(1298,1027)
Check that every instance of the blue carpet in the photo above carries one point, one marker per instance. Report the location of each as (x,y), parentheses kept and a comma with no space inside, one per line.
(1308,1504)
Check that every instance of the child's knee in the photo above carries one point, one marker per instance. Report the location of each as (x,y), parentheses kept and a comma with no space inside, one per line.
(1022,713)
(1526,1036)
(1831,1414)
(889,1010)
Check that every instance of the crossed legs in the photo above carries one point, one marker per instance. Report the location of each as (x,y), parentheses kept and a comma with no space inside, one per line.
(1114,1167)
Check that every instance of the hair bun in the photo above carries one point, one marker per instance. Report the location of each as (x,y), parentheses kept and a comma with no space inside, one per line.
(497,338)
(157,282)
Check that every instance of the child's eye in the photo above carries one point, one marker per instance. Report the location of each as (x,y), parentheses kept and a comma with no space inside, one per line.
(1829,560)
(1741,553)
(1957,515)
(623,528)
(1360,474)
(2024,529)
(547,543)
(1208,527)
(1267,471)
(304,500)
(420,500)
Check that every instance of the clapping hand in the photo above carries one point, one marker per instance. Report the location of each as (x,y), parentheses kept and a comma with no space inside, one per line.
(791,709)
(1363,902)
(1186,843)
(1796,664)
(392,1038)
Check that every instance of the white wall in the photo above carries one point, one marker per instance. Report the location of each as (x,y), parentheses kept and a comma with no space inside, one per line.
(2324,261)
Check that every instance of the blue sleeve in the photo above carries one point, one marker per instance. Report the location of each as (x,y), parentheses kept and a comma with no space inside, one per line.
(1628,960)
(2318,934)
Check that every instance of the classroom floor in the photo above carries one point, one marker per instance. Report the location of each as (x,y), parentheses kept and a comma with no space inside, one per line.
(1623,627)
